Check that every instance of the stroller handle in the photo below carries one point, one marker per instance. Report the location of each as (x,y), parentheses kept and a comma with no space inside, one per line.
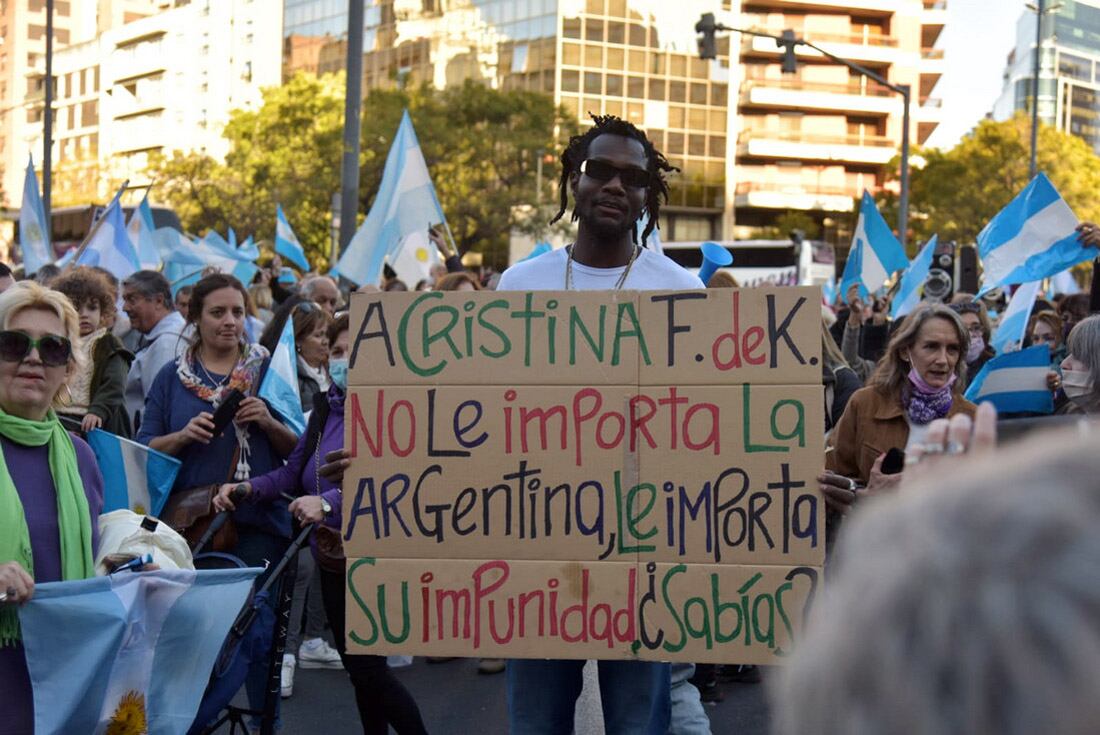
(237,495)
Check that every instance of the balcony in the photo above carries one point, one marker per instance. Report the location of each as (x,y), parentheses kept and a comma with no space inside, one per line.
(857,47)
(799,146)
(932,20)
(797,94)
(773,195)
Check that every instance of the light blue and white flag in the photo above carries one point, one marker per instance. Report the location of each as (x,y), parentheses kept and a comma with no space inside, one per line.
(107,652)
(280,384)
(1064,283)
(186,255)
(248,249)
(1033,238)
(405,203)
(34,231)
(135,477)
(541,248)
(111,247)
(912,280)
(653,242)
(142,233)
(880,253)
(1009,335)
(828,291)
(1015,382)
(852,269)
(286,242)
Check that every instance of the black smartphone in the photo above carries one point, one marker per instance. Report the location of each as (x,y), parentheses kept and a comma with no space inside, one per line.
(893,462)
(226,410)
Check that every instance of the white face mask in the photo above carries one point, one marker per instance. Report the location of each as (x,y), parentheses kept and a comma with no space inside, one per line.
(1077,384)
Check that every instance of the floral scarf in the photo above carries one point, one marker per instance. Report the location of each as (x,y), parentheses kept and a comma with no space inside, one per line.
(924,403)
(243,377)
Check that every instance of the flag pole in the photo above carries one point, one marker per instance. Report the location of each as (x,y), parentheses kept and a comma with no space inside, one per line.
(95,228)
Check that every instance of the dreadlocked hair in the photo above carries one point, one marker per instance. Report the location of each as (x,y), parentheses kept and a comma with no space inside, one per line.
(577,151)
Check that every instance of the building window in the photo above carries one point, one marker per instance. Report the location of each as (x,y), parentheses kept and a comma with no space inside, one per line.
(36,32)
(89,112)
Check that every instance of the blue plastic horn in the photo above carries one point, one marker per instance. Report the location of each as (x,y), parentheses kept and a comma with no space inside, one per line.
(714,257)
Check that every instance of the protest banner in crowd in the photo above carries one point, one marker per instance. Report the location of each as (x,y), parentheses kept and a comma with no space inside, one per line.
(584,474)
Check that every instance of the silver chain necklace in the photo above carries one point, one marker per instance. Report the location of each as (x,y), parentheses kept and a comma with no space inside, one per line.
(618,284)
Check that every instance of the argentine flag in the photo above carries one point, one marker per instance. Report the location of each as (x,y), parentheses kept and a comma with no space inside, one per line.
(135,477)
(1010,331)
(1015,382)
(879,252)
(280,384)
(34,232)
(111,247)
(908,295)
(828,291)
(1031,239)
(131,652)
(406,202)
(142,234)
(286,242)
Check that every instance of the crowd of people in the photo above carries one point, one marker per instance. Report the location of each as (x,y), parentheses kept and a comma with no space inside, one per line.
(158,368)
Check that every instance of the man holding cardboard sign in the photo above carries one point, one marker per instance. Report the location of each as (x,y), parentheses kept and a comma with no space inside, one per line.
(615,174)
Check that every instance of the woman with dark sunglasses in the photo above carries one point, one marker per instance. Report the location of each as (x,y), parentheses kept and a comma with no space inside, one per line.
(51,491)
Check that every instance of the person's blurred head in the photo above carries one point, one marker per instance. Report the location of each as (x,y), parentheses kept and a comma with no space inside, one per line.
(218,309)
(722,279)
(39,327)
(183,299)
(395,284)
(976,320)
(7,279)
(311,324)
(146,299)
(930,341)
(91,296)
(965,604)
(1081,368)
(460,281)
(1045,328)
(437,272)
(832,357)
(339,347)
(1073,309)
(322,291)
(46,273)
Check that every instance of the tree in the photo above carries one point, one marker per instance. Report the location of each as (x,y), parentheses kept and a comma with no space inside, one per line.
(285,152)
(956,192)
(481,146)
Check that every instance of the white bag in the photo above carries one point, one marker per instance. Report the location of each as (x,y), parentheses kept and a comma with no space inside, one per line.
(121,532)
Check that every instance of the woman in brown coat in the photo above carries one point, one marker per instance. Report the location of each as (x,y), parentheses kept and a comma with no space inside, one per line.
(920,378)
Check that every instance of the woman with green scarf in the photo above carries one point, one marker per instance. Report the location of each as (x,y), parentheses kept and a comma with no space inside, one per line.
(51,490)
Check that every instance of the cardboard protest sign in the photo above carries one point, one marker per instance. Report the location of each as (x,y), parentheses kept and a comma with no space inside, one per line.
(643,458)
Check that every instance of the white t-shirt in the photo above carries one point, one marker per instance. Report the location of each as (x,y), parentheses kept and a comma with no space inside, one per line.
(651,271)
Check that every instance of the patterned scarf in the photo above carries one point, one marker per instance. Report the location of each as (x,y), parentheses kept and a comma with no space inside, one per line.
(242,377)
(924,403)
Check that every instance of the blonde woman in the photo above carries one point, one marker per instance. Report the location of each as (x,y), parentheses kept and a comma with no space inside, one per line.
(51,491)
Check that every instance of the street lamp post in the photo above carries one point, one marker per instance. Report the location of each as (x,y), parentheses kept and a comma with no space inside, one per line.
(1034,168)
(47,128)
(349,165)
(789,42)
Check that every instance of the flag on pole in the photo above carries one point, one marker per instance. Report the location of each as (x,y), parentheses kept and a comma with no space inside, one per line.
(111,247)
(1013,325)
(286,242)
(1015,382)
(280,384)
(1033,238)
(137,649)
(852,268)
(142,234)
(34,231)
(880,253)
(416,258)
(405,202)
(828,291)
(135,477)
(908,295)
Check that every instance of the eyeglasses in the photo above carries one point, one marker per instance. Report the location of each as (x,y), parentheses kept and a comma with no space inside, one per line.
(635,178)
(54,351)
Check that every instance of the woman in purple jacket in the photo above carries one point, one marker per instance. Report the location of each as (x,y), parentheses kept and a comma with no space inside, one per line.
(382,699)
(51,491)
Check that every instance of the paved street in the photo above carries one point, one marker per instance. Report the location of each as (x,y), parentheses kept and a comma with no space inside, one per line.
(455,699)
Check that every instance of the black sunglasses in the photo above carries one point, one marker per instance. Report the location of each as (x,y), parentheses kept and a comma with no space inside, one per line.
(635,178)
(54,351)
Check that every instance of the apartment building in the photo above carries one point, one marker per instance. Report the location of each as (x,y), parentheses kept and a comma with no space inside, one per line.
(812,141)
(1069,69)
(162,82)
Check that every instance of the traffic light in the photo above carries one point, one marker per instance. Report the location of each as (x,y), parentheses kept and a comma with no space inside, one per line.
(787,43)
(708,47)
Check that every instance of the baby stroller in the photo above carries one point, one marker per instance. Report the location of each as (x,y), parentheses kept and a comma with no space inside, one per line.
(248,640)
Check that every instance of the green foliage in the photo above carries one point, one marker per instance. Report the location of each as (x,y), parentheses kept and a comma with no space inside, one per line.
(789,221)
(956,192)
(481,145)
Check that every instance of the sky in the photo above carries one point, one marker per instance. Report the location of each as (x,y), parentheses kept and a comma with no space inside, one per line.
(976,40)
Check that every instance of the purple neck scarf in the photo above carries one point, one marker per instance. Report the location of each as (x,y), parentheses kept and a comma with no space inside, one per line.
(925,403)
